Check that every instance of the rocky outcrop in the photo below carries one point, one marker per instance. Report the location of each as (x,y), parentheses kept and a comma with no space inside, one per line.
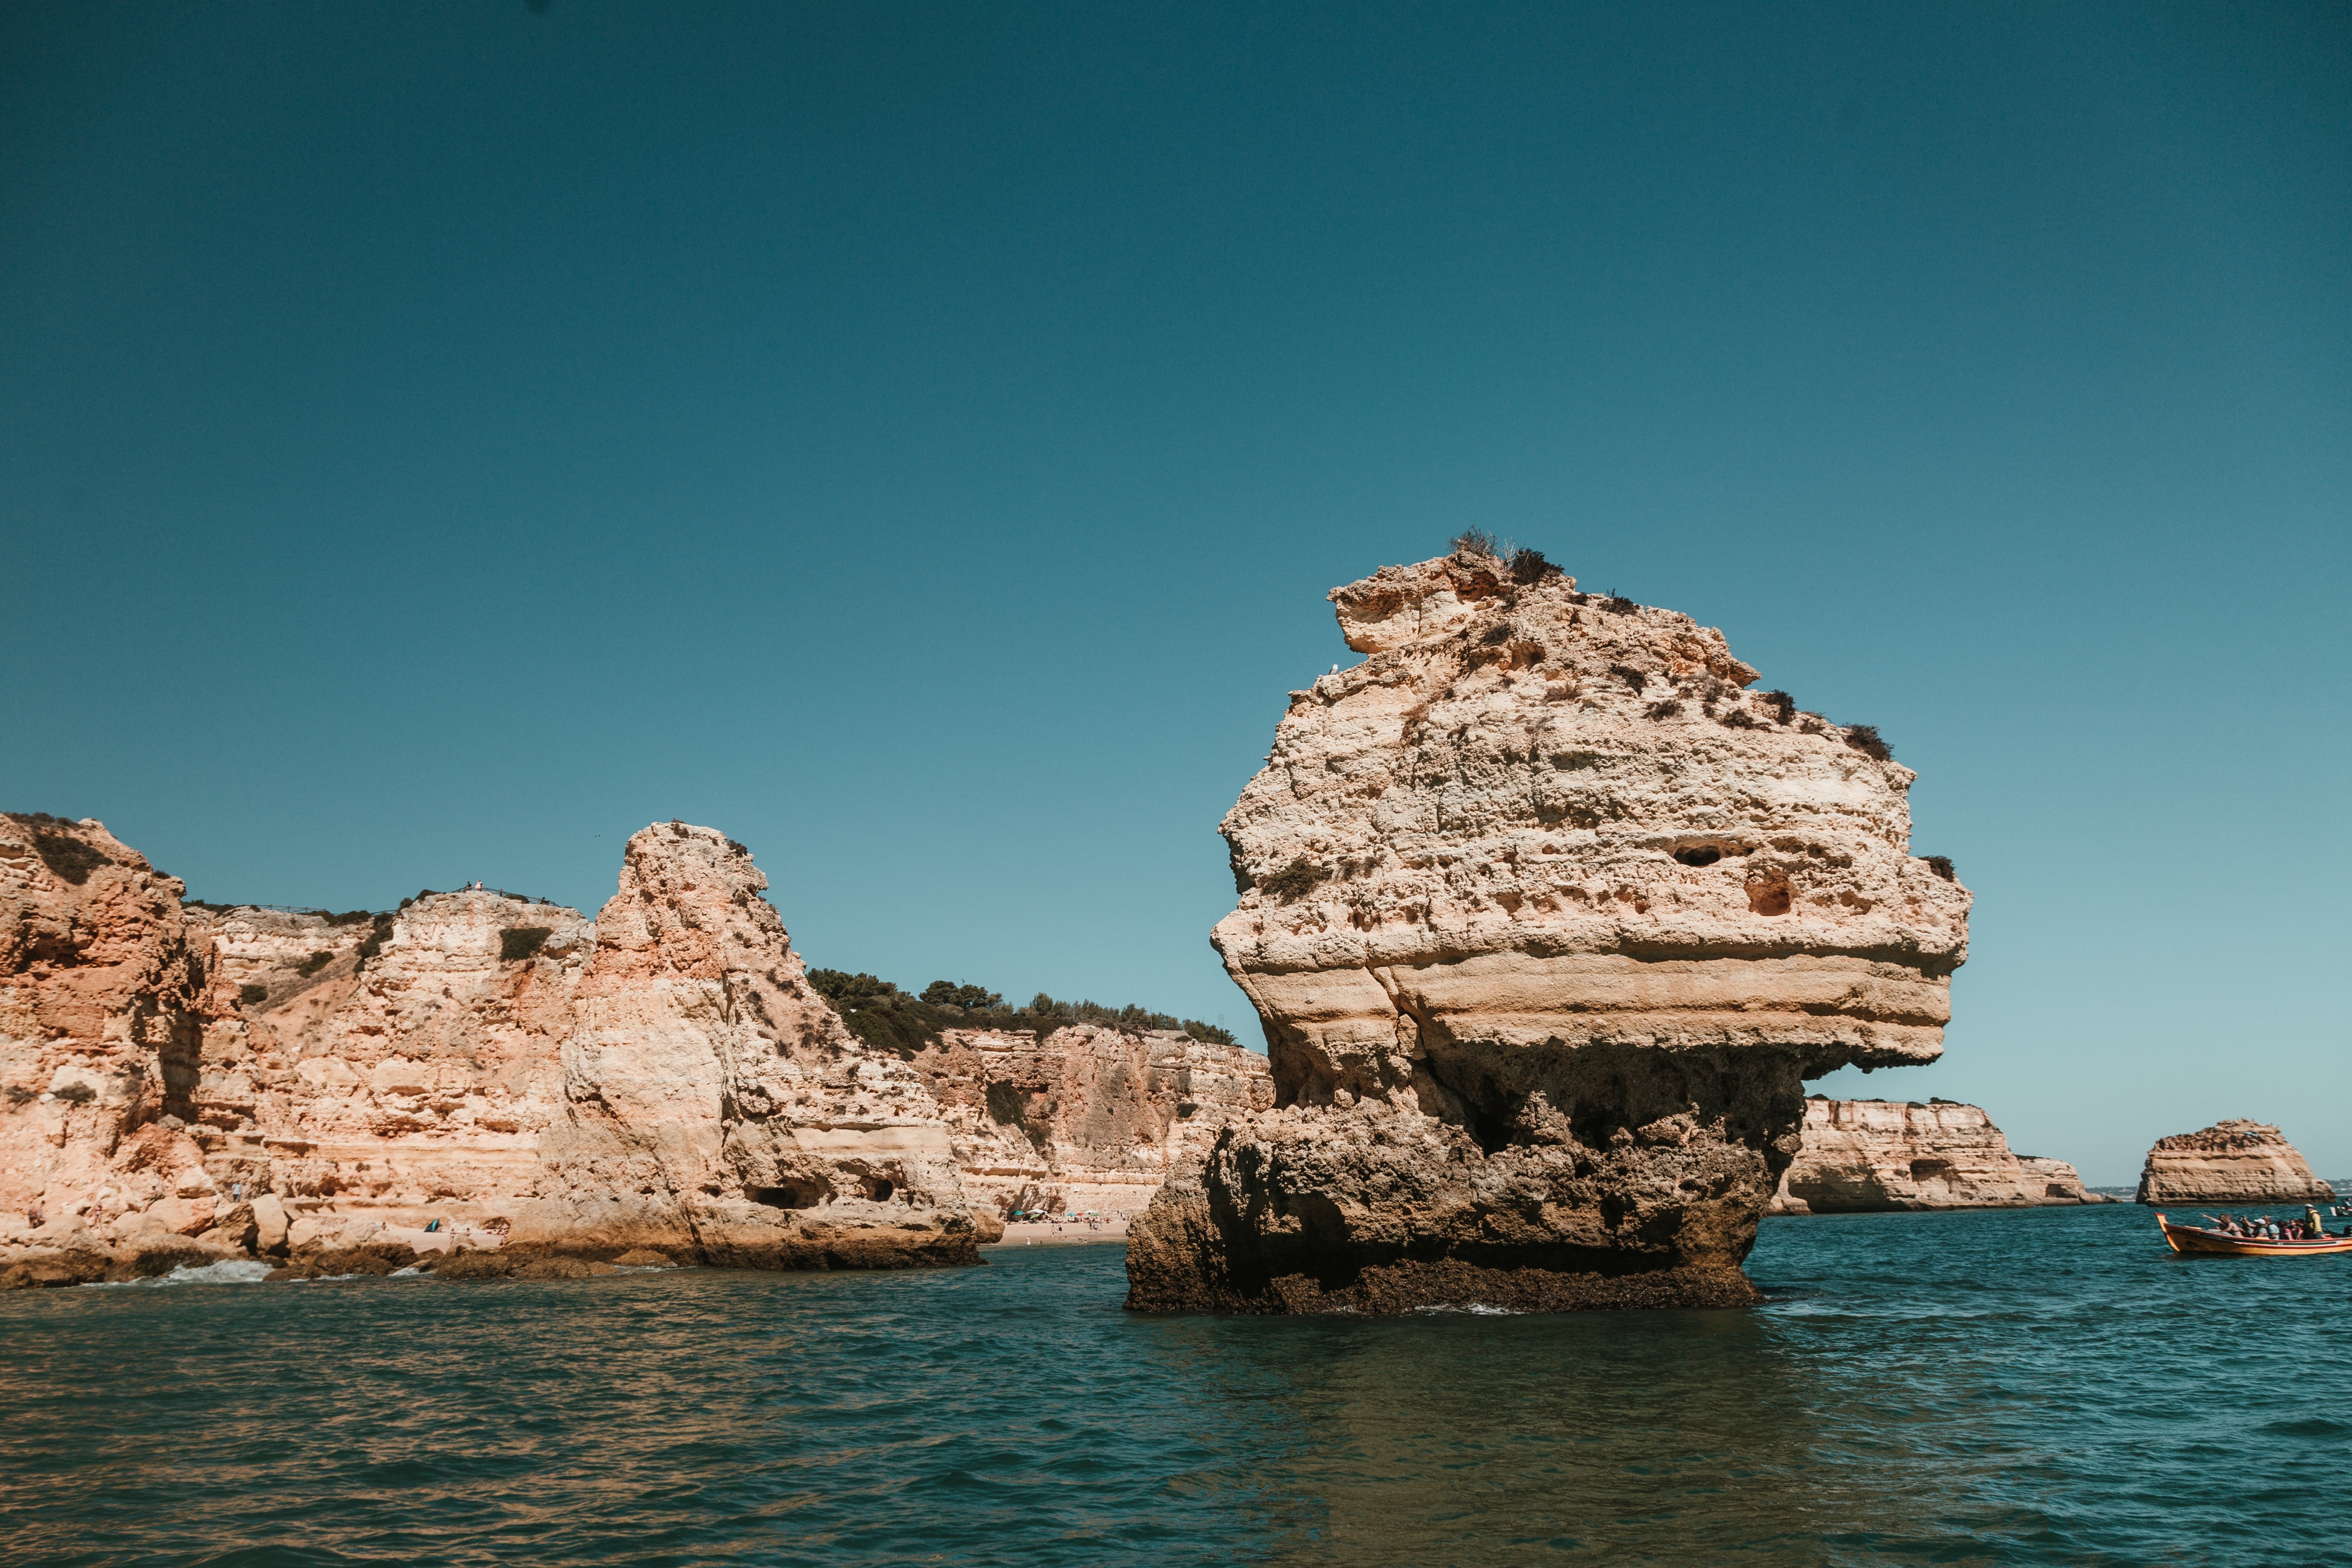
(2228,1163)
(1087,1117)
(661,1078)
(1863,1156)
(1547,917)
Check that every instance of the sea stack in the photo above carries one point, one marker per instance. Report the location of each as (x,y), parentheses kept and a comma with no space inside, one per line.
(1864,1156)
(1548,917)
(2228,1163)
(188,1082)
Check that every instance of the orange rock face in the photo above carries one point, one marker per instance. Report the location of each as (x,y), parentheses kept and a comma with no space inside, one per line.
(662,1077)
(100,1032)
(1872,1155)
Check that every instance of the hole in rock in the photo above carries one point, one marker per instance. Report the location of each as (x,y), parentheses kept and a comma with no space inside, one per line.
(1492,1127)
(877,1189)
(1704,855)
(791,1195)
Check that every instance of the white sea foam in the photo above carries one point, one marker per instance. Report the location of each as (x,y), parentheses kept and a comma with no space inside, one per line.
(1471,1310)
(228,1271)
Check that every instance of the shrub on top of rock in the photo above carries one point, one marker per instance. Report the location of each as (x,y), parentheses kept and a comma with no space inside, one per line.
(1865,739)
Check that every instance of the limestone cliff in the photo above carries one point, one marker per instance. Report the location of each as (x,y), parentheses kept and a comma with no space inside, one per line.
(1547,918)
(1088,1117)
(1867,1155)
(99,1030)
(663,1077)
(2228,1163)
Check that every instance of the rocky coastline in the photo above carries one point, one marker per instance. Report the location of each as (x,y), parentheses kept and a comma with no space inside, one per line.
(192,1081)
(1085,1117)
(1546,917)
(478,1084)
(1868,1156)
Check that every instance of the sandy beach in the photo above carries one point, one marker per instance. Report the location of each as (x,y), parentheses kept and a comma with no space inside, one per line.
(1068,1233)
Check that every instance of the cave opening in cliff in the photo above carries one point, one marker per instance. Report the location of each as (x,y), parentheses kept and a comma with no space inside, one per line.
(1699,854)
(793,1195)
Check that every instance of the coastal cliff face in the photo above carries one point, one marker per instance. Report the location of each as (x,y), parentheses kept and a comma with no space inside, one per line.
(663,1077)
(1863,1156)
(1087,1118)
(2228,1163)
(99,1031)
(1547,918)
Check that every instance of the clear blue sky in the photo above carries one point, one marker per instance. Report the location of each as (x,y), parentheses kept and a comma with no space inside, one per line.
(435,441)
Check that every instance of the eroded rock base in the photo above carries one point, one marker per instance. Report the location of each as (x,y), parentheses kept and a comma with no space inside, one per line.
(1551,1179)
(1166,1252)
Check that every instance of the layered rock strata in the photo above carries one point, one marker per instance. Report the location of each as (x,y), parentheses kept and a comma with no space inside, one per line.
(1863,1156)
(664,1077)
(1087,1118)
(1548,919)
(2228,1163)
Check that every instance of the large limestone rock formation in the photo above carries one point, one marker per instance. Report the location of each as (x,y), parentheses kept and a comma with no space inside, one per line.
(663,1077)
(99,1036)
(1548,919)
(1870,1155)
(2228,1163)
(1087,1117)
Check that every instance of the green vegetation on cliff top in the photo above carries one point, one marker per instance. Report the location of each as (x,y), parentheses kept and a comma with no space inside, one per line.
(881,1014)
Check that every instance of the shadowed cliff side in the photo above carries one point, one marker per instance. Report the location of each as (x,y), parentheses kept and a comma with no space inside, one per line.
(1547,918)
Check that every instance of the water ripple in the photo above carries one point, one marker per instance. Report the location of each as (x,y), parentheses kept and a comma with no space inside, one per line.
(1998,1388)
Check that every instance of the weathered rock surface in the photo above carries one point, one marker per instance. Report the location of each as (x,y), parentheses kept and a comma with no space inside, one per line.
(663,1077)
(1088,1118)
(1870,1155)
(1547,919)
(2228,1163)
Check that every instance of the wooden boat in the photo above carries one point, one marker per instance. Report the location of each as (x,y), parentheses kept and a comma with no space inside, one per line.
(2193,1241)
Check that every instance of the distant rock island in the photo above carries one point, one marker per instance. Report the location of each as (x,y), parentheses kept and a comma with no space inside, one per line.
(186,1081)
(1863,1156)
(2228,1163)
(1548,917)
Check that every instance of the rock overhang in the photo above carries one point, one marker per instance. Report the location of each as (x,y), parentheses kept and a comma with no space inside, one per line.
(1547,915)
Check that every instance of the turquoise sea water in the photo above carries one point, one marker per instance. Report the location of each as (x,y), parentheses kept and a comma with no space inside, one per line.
(2050,1386)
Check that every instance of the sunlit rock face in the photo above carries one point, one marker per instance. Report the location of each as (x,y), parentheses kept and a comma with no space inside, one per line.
(715,1095)
(1863,1156)
(2236,1162)
(237,1078)
(1087,1117)
(99,1028)
(1548,917)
